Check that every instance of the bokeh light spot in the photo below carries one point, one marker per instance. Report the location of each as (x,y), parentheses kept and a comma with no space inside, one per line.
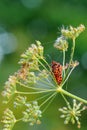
(31,3)
(1,54)
(8,42)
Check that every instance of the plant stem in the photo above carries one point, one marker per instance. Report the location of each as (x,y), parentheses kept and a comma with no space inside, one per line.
(48,99)
(72,54)
(60,90)
(47,64)
(72,51)
(49,103)
(23,85)
(45,91)
(19,120)
(64,98)
(43,65)
(41,97)
(63,63)
(68,76)
(46,68)
(71,57)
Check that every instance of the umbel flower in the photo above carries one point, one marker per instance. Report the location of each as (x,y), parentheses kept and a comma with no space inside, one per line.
(32,113)
(8,119)
(10,88)
(31,55)
(72,32)
(20,101)
(35,85)
(72,113)
(61,43)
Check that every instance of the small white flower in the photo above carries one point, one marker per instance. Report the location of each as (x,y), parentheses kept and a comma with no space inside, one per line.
(8,119)
(61,44)
(72,114)
(9,89)
(32,113)
(72,32)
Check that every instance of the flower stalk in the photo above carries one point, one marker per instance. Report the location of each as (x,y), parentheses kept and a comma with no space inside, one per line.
(62,91)
(63,63)
(72,51)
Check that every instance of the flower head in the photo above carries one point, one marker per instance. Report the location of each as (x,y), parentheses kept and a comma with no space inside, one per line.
(8,119)
(72,114)
(72,32)
(74,64)
(32,113)
(61,43)
(10,88)
(23,72)
(20,101)
(33,52)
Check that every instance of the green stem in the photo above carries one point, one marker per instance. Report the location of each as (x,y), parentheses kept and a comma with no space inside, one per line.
(43,65)
(71,57)
(72,51)
(48,82)
(23,85)
(64,98)
(49,103)
(18,92)
(19,120)
(39,98)
(48,99)
(60,90)
(47,64)
(63,63)
(48,72)
(46,69)
(72,54)
(68,76)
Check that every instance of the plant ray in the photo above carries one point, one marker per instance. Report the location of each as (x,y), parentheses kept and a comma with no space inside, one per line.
(49,103)
(48,99)
(18,92)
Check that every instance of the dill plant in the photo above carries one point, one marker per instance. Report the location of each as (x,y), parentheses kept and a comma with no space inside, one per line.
(36,77)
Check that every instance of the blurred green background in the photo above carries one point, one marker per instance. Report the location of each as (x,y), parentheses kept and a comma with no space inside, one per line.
(24,21)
